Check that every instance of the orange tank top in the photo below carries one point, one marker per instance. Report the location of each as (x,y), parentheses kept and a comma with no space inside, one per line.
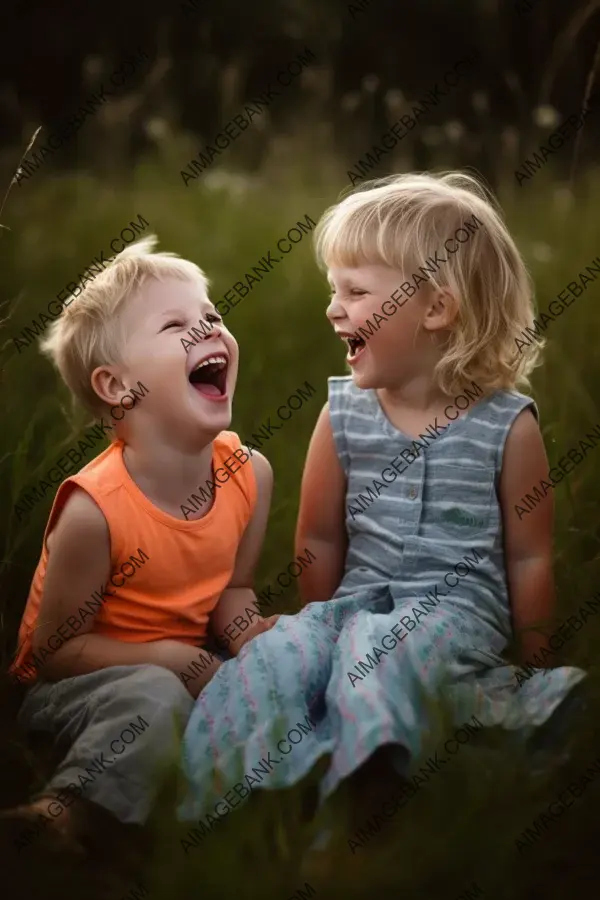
(167,574)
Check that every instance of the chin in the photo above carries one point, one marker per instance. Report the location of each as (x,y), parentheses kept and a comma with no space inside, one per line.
(363,384)
(219,420)
(209,417)
(364,381)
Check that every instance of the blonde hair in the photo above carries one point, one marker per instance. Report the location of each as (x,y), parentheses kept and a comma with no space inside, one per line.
(403,220)
(88,332)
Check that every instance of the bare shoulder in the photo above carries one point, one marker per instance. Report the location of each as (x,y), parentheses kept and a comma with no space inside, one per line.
(80,524)
(323,431)
(525,424)
(524,442)
(263,470)
(322,495)
(322,454)
(78,561)
(524,473)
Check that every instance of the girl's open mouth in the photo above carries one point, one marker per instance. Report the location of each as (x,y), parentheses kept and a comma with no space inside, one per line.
(356,346)
(209,377)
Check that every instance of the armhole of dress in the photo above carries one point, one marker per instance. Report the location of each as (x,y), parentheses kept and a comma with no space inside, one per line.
(525,402)
(337,398)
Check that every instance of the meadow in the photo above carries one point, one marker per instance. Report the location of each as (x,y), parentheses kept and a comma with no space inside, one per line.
(461,830)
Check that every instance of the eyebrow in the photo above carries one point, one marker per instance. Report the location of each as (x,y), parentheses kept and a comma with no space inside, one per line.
(346,283)
(180,312)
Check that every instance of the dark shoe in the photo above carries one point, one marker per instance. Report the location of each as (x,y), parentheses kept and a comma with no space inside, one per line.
(35,854)
(44,862)
(107,840)
(24,826)
(36,851)
(549,745)
(371,784)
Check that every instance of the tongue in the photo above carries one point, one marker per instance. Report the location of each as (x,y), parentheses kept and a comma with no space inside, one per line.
(211,390)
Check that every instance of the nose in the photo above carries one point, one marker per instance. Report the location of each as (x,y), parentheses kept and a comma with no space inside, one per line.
(210,330)
(335,310)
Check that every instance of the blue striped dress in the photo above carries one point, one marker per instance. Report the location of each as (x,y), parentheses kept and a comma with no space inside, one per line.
(422,611)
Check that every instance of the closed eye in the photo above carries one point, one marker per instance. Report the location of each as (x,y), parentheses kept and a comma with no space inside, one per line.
(215,317)
(171,325)
(354,292)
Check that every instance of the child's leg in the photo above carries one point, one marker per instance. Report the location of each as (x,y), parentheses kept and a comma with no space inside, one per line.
(119,724)
(378,697)
(262,719)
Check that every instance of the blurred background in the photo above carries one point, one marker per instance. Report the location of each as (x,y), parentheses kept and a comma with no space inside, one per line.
(176,74)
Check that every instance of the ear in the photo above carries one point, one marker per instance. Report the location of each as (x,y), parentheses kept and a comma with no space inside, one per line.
(441,311)
(107,384)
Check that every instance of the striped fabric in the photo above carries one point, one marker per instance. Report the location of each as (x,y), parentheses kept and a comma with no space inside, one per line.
(442,506)
(423,609)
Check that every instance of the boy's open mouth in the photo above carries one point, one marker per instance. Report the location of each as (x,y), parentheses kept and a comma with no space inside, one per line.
(210,376)
(355,347)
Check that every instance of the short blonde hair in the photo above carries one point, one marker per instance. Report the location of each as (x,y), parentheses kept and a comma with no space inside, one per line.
(88,332)
(401,221)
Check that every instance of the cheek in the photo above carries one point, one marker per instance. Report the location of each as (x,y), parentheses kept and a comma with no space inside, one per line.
(232,346)
(234,352)
(230,342)
(364,310)
(394,333)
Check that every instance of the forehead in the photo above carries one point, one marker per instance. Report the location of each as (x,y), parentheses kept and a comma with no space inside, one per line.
(155,296)
(355,274)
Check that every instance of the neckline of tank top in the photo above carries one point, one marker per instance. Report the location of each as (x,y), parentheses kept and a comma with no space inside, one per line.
(397,433)
(156,512)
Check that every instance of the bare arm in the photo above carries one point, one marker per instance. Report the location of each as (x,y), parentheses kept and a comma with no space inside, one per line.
(239,594)
(321,517)
(78,563)
(527,536)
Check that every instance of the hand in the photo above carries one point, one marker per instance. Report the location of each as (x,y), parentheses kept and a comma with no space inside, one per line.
(258,628)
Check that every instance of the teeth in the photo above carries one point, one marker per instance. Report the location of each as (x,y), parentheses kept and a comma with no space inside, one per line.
(210,361)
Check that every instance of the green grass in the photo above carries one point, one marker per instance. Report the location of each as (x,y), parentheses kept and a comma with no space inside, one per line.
(461,828)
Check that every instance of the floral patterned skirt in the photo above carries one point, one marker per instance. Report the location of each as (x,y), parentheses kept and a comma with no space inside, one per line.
(339,678)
